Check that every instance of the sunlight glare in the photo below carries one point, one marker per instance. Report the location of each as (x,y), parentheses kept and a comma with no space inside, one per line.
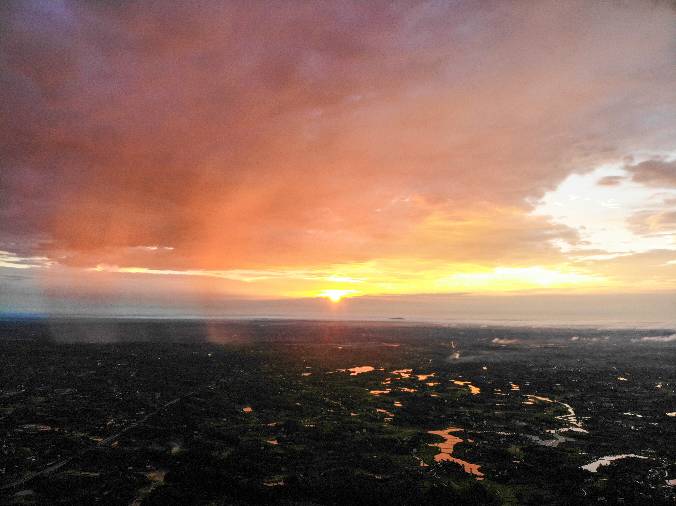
(335,295)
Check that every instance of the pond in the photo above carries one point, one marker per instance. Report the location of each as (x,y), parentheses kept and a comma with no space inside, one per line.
(474,390)
(354,371)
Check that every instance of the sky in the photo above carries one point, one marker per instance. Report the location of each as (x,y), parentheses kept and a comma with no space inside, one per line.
(219,158)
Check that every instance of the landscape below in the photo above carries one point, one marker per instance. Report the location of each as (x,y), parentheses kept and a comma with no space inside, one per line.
(302,412)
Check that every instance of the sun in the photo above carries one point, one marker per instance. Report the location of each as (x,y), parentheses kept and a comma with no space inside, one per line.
(335,295)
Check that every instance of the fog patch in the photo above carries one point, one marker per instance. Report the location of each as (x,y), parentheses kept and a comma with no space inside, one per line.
(502,341)
(656,339)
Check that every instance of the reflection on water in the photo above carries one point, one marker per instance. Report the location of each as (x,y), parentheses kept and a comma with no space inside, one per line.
(380,392)
(446,451)
(272,442)
(570,418)
(474,390)
(514,387)
(247,409)
(409,390)
(358,370)
(593,467)
(424,377)
(404,373)
(389,416)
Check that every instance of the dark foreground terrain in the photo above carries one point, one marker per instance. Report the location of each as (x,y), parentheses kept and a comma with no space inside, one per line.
(176,412)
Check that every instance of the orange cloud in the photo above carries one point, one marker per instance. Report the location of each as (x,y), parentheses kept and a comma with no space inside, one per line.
(287,137)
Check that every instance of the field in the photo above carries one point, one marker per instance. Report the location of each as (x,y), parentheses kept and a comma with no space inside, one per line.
(301,412)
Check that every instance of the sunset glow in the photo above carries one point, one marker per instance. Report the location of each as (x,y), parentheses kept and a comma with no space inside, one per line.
(335,295)
(337,252)
(270,152)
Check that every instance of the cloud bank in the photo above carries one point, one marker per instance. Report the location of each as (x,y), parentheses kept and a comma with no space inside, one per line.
(292,135)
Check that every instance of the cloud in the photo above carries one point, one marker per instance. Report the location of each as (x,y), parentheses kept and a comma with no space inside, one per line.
(268,136)
(646,271)
(12,261)
(657,173)
(650,222)
(610,181)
